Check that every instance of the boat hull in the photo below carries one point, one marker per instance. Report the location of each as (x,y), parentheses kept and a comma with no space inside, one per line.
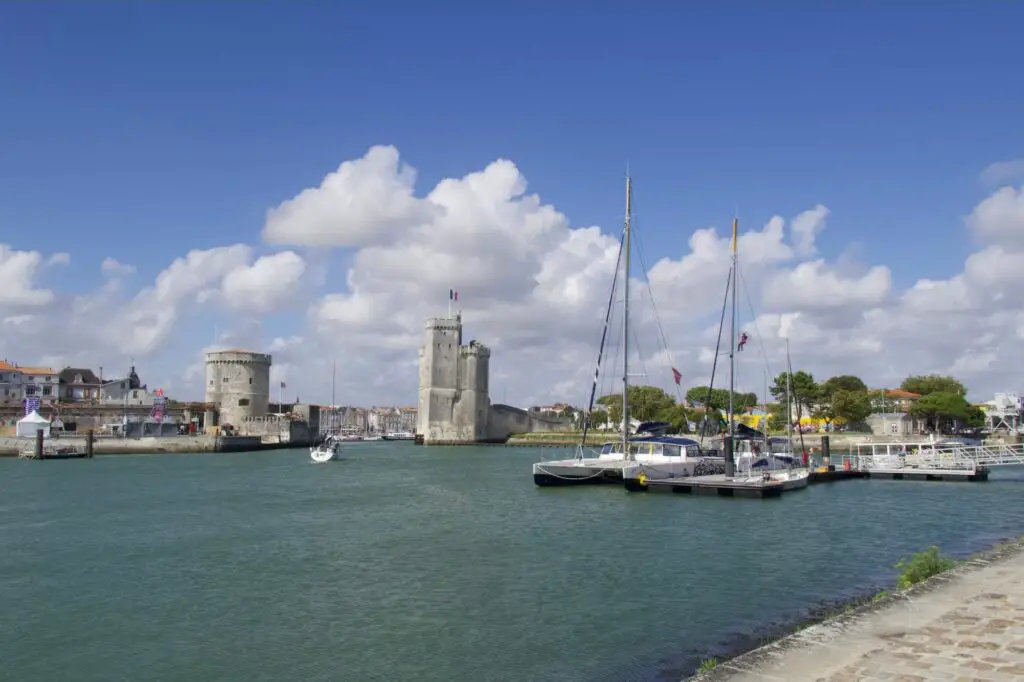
(574,472)
(636,474)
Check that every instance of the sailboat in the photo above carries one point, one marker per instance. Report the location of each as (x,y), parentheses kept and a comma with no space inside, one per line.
(749,458)
(650,446)
(329,449)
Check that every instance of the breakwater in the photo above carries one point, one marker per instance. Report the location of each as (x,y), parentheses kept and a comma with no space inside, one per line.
(10,446)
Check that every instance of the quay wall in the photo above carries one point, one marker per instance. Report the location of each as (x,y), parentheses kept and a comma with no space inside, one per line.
(963,624)
(10,447)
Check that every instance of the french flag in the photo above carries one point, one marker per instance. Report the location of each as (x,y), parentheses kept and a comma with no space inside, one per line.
(453,295)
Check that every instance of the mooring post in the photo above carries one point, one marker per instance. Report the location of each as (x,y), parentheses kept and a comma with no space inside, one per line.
(730,466)
(39,444)
(89,443)
(826,452)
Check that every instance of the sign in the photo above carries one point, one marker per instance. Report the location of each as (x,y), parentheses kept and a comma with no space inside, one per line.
(32,404)
(159,402)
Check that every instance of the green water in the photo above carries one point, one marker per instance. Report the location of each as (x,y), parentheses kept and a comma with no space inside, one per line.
(412,563)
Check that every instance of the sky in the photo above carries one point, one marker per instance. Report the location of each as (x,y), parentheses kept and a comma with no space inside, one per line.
(310,179)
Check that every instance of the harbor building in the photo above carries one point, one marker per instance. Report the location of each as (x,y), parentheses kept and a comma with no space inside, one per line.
(238,382)
(454,402)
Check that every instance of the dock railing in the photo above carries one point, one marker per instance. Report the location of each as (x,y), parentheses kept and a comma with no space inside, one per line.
(934,454)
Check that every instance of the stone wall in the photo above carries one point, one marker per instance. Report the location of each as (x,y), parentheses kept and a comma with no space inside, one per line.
(506,420)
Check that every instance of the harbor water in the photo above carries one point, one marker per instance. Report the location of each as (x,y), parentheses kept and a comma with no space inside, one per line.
(410,563)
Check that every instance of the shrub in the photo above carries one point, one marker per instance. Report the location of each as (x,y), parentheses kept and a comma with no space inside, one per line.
(922,566)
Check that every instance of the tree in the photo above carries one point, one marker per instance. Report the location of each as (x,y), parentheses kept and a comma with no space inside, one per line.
(805,390)
(677,417)
(933,383)
(941,406)
(698,395)
(598,419)
(843,397)
(645,403)
(845,382)
(850,406)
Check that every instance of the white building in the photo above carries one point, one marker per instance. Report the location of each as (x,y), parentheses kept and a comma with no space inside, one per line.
(11,391)
(1003,413)
(40,382)
(129,392)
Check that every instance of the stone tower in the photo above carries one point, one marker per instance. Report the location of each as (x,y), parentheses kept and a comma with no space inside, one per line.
(238,382)
(454,405)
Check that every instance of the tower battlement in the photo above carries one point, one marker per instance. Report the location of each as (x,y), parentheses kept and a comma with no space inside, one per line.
(452,323)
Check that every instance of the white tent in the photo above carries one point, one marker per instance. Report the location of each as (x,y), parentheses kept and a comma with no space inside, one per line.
(32,423)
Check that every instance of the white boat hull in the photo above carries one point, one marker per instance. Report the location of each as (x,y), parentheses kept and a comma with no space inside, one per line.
(578,471)
(325,453)
(636,474)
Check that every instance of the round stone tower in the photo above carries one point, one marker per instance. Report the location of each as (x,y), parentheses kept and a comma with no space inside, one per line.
(238,382)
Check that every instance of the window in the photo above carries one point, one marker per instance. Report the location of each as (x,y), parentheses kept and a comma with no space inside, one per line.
(78,378)
(250,381)
(895,428)
(211,382)
(47,390)
(224,380)
(135,394)
(30,390)
(243,402)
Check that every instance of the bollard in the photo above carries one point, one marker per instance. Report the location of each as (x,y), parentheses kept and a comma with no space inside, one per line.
(730,465)
(39,444)
(89,443)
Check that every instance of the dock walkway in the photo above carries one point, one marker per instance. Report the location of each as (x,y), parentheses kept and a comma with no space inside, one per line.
(961,626)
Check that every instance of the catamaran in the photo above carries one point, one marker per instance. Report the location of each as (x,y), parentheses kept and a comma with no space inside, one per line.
(650,445)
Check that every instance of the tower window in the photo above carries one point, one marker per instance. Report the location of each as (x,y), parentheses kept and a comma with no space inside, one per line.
(250,381)
(243,402)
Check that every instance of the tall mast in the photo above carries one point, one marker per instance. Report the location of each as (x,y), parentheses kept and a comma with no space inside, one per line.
(625,324)
(789,395)
(732,334)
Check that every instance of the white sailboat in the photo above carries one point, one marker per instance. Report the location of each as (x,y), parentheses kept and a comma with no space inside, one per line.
(751,458)
(653,448)
(328,451)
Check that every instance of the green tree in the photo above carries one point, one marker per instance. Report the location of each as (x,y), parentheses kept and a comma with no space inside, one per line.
(676,415)
(845,382)
(645,403)
(698,395)
(850,406)
(933,383)
(805,391)
(598,418)
(941,406)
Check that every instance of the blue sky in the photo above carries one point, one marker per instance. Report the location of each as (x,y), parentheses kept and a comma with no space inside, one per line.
(133,129)
(139,130)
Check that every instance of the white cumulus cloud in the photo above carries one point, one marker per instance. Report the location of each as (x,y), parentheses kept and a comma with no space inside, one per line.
(532,285)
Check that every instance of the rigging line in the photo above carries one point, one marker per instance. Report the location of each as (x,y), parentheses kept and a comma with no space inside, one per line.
(753,318)
(654,307)
(718,346)
(604,336)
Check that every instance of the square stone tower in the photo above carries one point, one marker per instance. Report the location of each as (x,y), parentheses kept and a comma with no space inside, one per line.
(454,405)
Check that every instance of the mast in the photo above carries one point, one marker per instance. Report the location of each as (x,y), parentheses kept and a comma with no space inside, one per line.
(732,337)
(789,396)
(625,323)
(334,368)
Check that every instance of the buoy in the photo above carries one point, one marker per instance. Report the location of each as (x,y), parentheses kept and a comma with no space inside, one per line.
(642,478)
